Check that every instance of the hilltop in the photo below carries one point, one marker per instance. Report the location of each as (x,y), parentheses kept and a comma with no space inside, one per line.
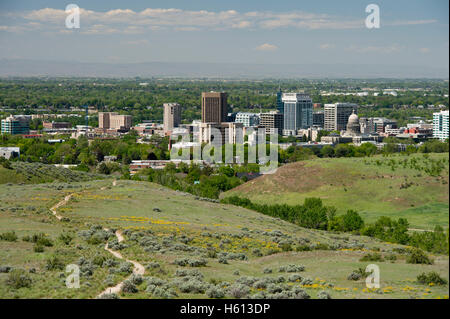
(414,187)
(190,247)
(33,173)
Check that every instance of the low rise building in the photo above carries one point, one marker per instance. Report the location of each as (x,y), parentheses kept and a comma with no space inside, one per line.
(311,133)
(136,166)
(219,134)
(16,124)
(56,125)
(380,124)
(9,152)
(247,119)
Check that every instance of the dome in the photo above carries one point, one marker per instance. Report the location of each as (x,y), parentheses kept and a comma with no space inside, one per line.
(353,126)
(353,119)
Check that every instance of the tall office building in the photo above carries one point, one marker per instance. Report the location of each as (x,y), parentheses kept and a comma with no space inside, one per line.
(337,114)
(114,121)
(280,106)
(172,116)
(15,125)
(272,122)
(440,125)
(214,107)
(297,112)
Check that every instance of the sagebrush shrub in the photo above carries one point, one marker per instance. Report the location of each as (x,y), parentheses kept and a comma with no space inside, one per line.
(5,269)
(18,278)
(215,292)
(125,267)
(323,295)
(238,291)
(8,236)
(372,257)
(432,278)
(354,276)
(155,281)
(417,256)
(193,285)
(129,287)
(38,248)
(267,270)
(291,268)
(294,278)
(136,279)
(54,263)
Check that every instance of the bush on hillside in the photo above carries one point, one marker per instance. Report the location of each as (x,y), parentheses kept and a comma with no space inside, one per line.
(372,257)
(18,278)
(417,256)
(8,236)
(432,278)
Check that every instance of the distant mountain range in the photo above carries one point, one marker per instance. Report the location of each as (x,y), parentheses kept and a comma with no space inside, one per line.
(16,67)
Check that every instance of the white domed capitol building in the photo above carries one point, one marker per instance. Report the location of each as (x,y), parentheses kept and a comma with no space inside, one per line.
(353,126)
(352,134)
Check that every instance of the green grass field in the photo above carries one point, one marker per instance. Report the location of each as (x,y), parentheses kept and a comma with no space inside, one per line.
(360,184)
(161,226)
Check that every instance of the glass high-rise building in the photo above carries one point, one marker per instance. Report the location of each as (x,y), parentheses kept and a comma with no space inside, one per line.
(337,114)
(280,106)
(298,112)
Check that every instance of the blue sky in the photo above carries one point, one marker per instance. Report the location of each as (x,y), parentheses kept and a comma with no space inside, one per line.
(245,31)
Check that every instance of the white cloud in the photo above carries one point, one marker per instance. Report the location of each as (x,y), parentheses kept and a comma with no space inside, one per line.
(241,25)
(326,46)
(410,22)
(154,19)
(266,47)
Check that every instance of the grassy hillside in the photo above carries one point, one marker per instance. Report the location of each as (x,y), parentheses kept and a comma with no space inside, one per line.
(162,227)
(33,173)
(377,186)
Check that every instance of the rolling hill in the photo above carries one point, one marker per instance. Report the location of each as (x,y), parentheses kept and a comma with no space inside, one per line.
(397,186)
(33,173)
(190,247)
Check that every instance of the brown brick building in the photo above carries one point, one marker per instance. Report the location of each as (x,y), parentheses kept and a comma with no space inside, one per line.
(56,125)
(214,107)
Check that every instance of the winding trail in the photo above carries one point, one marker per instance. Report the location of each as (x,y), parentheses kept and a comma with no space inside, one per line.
(138,269)
(59,204)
